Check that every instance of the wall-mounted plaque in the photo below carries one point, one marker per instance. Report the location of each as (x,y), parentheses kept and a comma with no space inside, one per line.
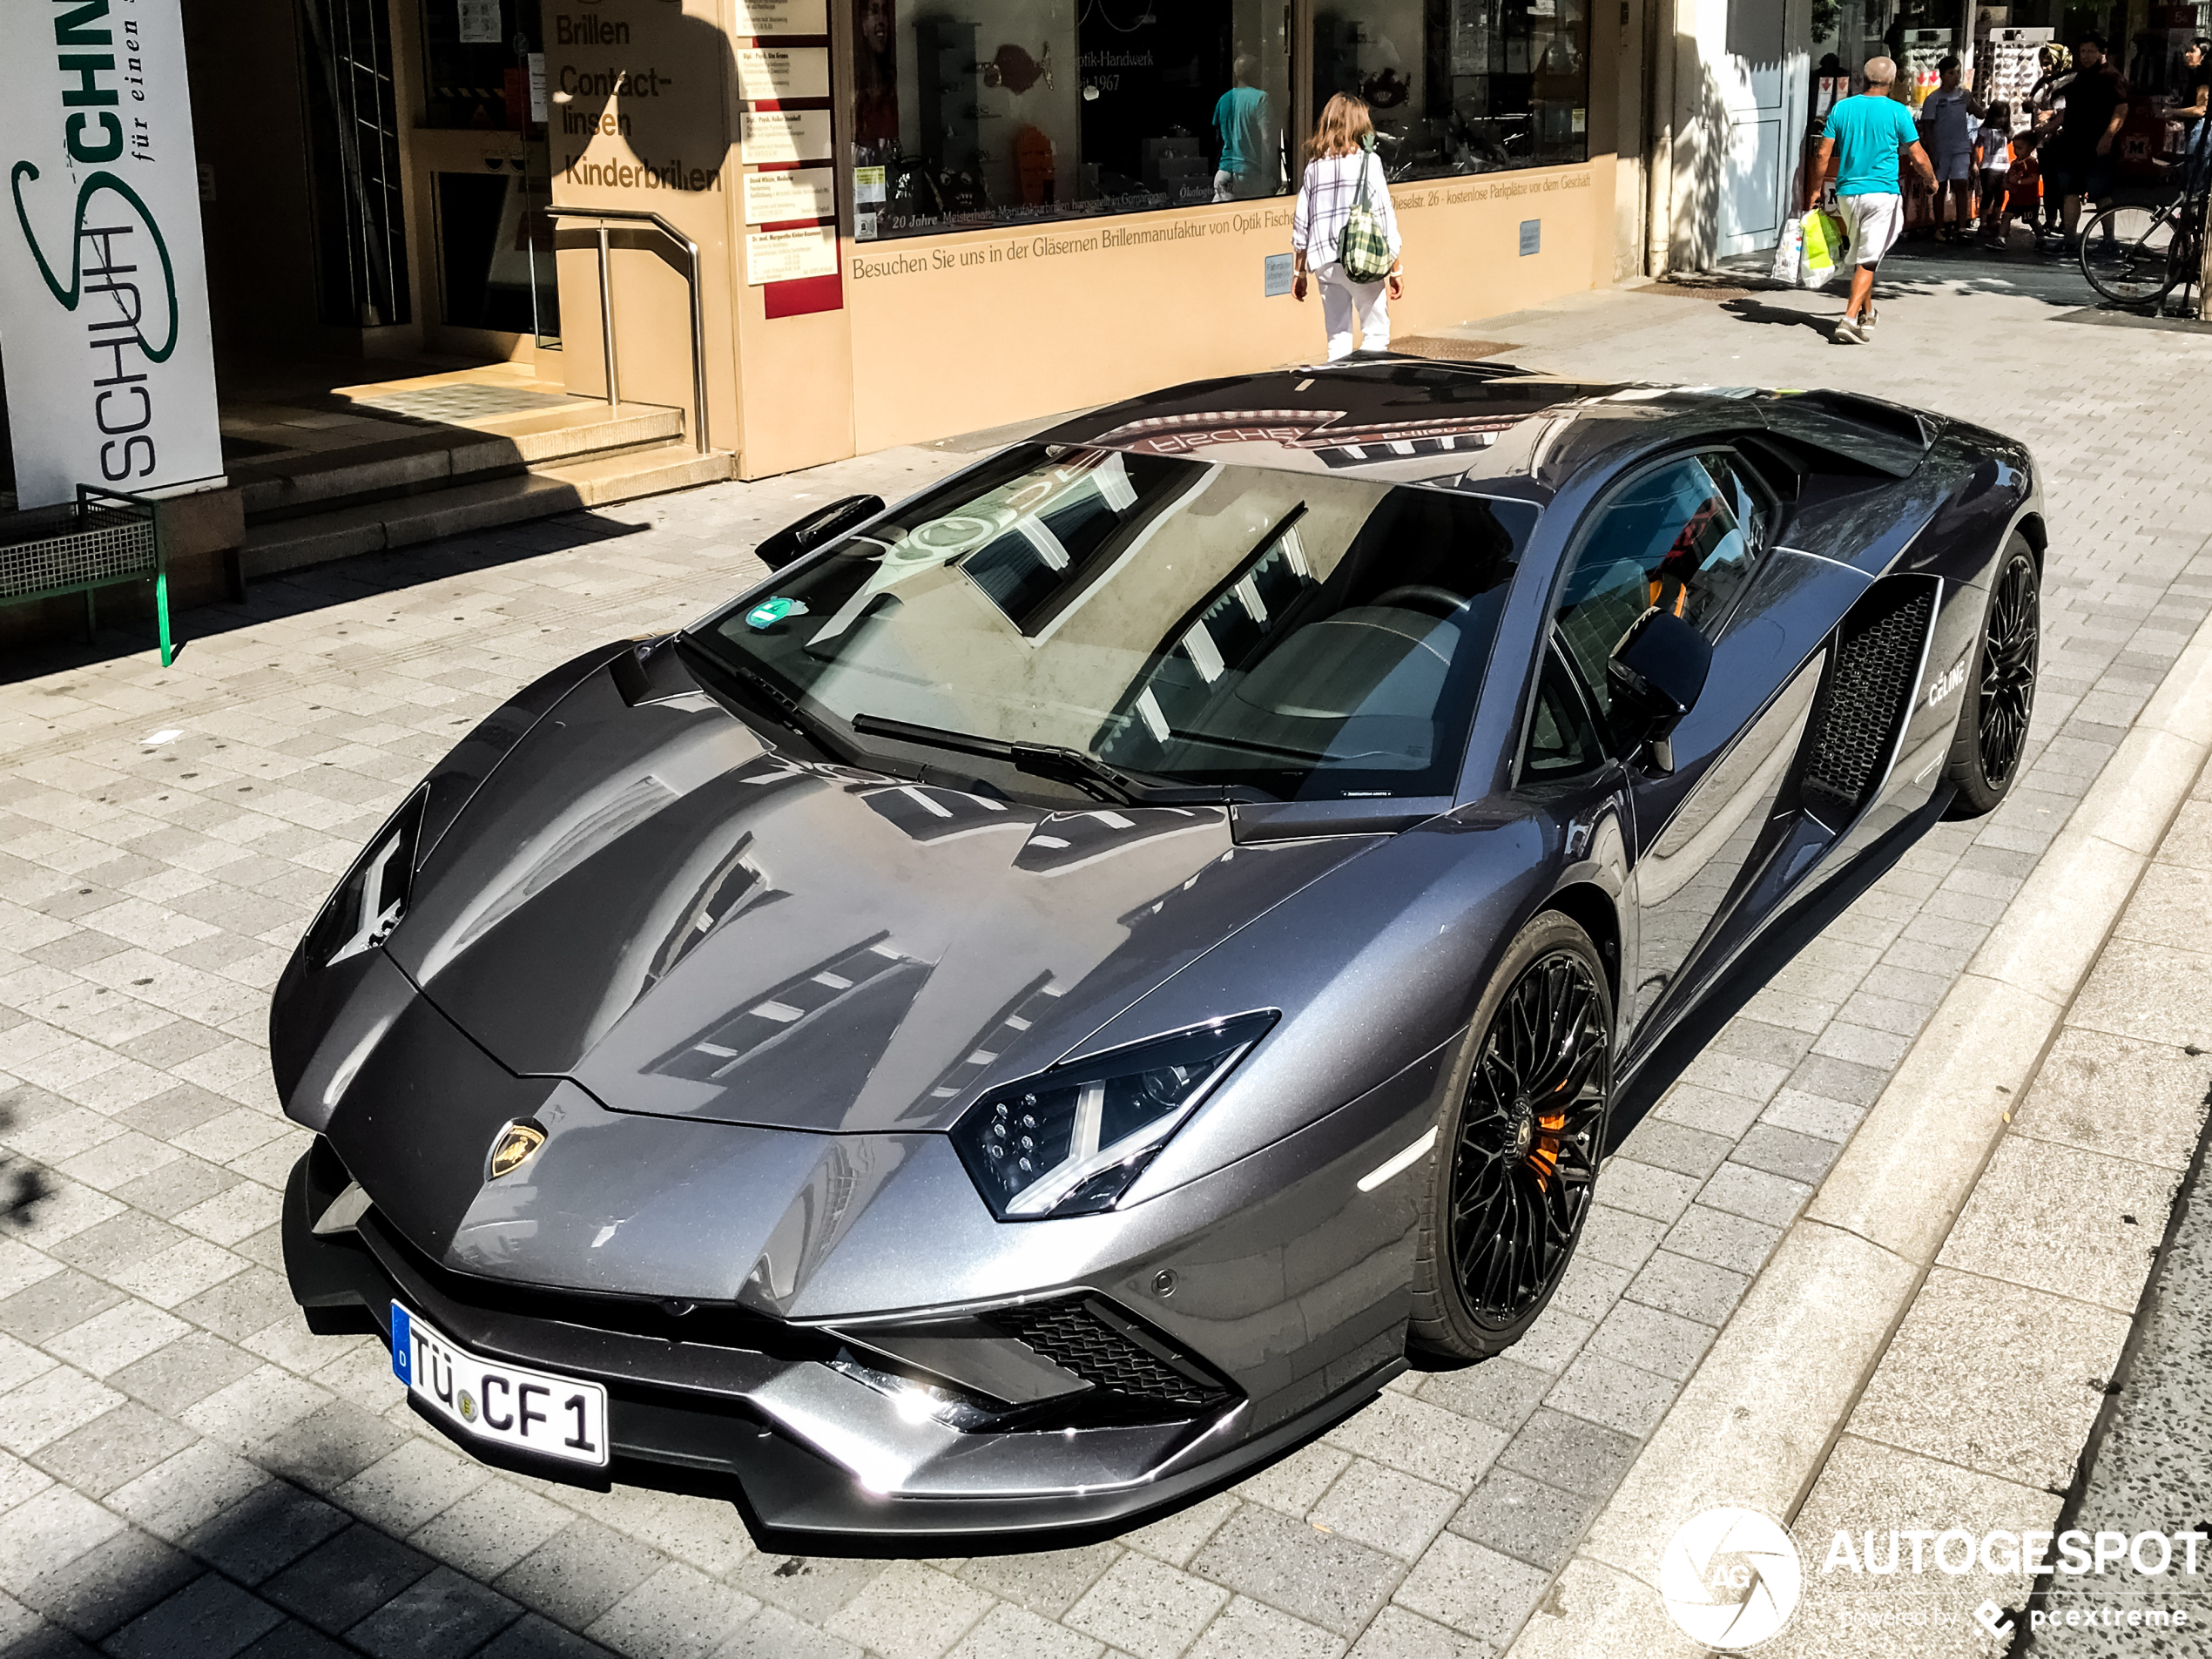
(768,73)
(785,135)
(783,18)
(771,198)
(785,256)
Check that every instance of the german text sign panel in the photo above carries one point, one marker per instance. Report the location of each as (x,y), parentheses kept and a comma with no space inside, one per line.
(770,73)
(785,256)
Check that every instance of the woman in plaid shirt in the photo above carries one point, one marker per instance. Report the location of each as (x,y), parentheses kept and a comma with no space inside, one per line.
(1341,156)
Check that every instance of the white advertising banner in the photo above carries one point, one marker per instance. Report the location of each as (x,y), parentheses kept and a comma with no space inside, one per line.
(104,326)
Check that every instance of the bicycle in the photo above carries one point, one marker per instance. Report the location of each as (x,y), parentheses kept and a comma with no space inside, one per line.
(2136,256)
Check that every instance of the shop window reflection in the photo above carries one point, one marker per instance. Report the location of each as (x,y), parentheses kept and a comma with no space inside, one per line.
(1008,111)
(1461,86)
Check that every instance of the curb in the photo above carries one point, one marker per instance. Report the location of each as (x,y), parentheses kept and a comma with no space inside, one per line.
(1755,1423)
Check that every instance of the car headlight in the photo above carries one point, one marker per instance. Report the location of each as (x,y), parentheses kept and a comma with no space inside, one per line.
(369,902)
(1069,1140)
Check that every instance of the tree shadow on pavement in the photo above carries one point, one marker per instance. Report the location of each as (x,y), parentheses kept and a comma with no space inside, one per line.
(279,1572)
(368,576)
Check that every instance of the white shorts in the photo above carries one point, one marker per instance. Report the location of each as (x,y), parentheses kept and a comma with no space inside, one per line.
(1875,223)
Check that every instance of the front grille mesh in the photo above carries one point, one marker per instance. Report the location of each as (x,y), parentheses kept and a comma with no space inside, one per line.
(1077,1338)
(1866,699)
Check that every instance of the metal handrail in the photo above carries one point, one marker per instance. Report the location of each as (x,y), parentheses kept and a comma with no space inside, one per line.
(604,216)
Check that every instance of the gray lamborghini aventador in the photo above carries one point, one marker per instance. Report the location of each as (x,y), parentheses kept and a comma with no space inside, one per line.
(1058,994)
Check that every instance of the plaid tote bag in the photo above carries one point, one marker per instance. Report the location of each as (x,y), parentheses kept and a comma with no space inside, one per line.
(1362,247)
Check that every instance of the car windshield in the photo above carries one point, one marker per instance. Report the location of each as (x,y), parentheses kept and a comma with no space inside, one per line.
(1183,622)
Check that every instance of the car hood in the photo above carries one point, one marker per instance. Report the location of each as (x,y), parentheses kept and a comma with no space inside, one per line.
(652,901)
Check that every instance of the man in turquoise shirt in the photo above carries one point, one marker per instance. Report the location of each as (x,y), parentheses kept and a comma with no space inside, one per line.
(1248,165)
(1865,135)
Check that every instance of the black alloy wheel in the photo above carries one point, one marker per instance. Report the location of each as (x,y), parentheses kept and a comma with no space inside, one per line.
(1518,1157)
(2000,691)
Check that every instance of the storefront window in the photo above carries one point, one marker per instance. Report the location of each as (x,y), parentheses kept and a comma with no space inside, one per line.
(1006,112)
(477,57)
(1461,86)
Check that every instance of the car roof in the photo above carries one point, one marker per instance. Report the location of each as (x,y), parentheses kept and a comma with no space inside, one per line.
(1483,426)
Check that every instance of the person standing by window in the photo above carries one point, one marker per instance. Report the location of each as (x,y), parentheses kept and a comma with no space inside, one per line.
(2042,107)
(2078,162)
(1249,165)
(1341,160)
(1865,135)
(1948,116)
(2196,84)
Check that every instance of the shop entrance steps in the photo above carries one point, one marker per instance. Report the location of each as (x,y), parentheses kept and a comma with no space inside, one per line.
(449,472)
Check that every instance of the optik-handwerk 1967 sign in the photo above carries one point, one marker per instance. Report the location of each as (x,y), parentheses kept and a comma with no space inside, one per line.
(104,329)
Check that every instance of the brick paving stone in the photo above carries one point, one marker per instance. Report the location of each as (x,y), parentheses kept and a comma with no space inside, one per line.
(1472,1590)
(910,1610)
(343,1580)
(210,1618)
(1383,1508)
(1146,1608)
(148,896)
(268,1530)
(1318,1576)
(442,1616)
(1048,1582)
(1248,1629)
(114,1581)
(1016,1633)
(1526,1519)
(1613,1392)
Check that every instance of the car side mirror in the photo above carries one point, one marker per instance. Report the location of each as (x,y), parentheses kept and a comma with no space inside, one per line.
(1657,675)
(795,542)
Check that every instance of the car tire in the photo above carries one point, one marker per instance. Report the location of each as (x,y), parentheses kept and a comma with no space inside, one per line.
(1991,741)
(1510,1183)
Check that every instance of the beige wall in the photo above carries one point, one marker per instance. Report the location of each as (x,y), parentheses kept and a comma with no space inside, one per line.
(955,333)
(945,334)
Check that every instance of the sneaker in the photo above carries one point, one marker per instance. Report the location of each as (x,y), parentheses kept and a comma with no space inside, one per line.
(1866,322)
(1850,332)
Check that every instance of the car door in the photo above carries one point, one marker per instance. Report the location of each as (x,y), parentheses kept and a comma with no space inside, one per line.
(1689,534)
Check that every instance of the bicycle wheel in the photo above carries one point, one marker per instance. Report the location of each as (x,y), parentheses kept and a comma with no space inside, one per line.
(2126,253)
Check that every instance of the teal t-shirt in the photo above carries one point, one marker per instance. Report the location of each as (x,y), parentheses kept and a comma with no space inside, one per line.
(1241,118)
(1870,132)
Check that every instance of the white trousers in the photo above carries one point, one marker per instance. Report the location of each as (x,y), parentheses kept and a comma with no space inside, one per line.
(1340,299)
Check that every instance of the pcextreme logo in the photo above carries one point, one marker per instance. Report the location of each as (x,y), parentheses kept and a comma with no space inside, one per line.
(1730,1577)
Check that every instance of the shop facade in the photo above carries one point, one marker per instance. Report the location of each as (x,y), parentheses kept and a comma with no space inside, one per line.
(919,218)
(821,226)
(902,219)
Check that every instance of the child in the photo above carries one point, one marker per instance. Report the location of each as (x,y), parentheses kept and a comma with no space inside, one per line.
(1992,160)
(1948,114)
(2024,182)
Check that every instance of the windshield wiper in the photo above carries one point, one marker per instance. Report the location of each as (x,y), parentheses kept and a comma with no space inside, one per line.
(766,698)
(1086,771)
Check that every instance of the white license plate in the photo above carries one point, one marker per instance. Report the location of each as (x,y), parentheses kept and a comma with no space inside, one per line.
(526,1411)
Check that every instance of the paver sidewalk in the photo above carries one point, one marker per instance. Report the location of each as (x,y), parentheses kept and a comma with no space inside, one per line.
(186,1469)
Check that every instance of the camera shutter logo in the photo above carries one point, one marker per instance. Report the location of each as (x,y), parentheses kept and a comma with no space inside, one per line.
(1730,1578)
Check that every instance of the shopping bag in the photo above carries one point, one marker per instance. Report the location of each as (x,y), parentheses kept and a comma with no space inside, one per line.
(1824,245)
(1362,245)
(1788,252)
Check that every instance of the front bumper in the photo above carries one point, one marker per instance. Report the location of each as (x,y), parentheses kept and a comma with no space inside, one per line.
(813,1435)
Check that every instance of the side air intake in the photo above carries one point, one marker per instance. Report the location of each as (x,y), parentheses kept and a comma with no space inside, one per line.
(1868,694)
(1085,1336)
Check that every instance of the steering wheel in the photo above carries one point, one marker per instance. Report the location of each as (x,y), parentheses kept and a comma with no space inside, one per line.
(1427,593)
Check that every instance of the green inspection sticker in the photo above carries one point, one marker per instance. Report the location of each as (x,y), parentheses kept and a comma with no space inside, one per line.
(769,612)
